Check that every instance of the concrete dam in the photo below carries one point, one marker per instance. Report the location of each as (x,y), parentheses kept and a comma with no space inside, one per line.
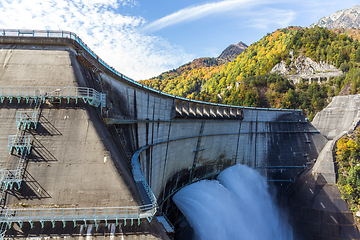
(87,151)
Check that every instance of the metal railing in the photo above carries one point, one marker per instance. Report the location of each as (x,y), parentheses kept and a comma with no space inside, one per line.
(19,143)
(77,214)
(22,144)
(71,35)
(88,95)
(139,176)
(26,118)
(10,177)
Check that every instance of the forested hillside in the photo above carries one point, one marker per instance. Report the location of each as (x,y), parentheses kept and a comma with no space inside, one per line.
(348,159)
(247,80)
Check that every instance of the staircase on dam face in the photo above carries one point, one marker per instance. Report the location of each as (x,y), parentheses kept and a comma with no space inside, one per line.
(21,144)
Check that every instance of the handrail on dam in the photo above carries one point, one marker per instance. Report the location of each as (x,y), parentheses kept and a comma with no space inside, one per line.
(22,144)
(88,95)
(132,213)
(73,36)
(19,143)
(27,118)
(31,215)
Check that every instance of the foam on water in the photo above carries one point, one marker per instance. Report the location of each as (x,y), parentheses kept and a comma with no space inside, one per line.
(236,206)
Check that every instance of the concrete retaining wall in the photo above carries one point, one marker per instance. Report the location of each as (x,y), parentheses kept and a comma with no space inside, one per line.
(340,115)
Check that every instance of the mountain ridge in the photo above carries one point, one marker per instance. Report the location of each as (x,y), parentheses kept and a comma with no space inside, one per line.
(232,51)
(346,18)
(228,55)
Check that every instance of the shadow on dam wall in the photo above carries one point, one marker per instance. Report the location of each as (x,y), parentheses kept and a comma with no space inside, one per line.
(292,144)
(317,211)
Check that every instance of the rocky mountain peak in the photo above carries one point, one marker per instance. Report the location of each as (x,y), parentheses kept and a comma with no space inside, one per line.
(232,51)
(346,18)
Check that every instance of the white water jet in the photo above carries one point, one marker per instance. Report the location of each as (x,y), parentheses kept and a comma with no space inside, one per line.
(88,233)
(81,229)
(122,234)
(112,228)
(236,206)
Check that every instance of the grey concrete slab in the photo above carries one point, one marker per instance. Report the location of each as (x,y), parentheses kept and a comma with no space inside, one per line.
(340,115)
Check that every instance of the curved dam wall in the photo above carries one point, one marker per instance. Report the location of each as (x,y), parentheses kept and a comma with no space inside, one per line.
(185,141)
(182,141)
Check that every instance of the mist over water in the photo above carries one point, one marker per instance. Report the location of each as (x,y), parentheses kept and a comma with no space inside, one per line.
(236,206)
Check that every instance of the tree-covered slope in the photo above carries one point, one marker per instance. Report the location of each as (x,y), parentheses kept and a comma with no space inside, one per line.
(247,80)
(183,80)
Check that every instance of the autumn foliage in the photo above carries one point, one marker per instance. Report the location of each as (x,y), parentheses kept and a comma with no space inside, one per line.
(348,163)
(247,80)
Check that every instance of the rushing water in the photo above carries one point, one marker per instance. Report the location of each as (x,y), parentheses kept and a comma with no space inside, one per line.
(236,206)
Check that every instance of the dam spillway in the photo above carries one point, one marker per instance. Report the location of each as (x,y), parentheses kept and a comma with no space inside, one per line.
(87,157)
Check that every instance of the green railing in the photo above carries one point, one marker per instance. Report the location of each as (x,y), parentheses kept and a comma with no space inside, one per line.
(26,119)
(88,95)
(31,215)
(10,177)
(19,143)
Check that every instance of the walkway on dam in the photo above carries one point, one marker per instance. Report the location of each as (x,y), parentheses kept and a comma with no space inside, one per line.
(88,95)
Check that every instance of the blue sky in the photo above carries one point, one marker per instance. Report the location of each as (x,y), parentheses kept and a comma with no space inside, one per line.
(143,38)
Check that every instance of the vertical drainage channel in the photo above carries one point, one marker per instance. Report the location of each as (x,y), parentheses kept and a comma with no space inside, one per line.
(192,170)
(237,145)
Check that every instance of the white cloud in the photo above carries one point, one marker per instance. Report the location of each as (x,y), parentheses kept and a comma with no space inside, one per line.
(121,40)
(197,12)
(270,16)
(114,37)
